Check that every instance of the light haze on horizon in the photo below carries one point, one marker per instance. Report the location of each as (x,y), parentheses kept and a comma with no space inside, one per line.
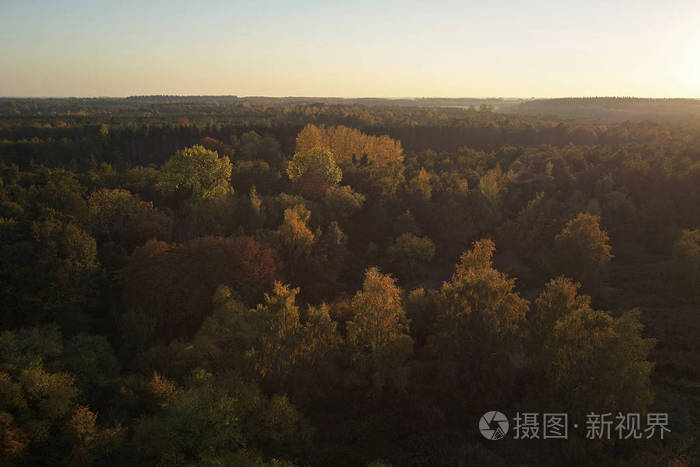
(540,48)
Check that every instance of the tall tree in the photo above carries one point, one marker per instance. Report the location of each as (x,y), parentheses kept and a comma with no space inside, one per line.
(378,333)
(478,332)
(587,360)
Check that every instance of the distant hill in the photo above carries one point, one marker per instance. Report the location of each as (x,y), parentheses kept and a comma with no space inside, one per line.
(615,108)
(495,103)
(595,109)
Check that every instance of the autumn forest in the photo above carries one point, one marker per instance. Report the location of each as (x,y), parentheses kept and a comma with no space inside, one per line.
(215,281)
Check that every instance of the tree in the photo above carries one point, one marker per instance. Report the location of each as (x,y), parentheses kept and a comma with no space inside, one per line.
(586,359)
(121,215)
(493,185)
(319,272)
(39,413)
(58,190)
(410,255)
(92,444)
(209,216)
(419,187)
(558,300)
(347,142)
(196,171)
(220,421)
(378,333)
(141,180)
(582,249)
(256,173)
(537,225)
(228,336)
(48,268)
(90,359)
(477,332)
(249,145)
(314,172)
(294,235)
(174,283)
(280,337)
(273,343)
(341,202)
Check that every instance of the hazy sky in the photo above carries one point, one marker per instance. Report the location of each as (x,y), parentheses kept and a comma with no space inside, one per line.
(525,48)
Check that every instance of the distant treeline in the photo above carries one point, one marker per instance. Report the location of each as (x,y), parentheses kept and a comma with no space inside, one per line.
(616,108)
(412,111)
(145,130)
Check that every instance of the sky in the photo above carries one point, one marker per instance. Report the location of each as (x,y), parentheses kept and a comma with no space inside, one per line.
(357,48)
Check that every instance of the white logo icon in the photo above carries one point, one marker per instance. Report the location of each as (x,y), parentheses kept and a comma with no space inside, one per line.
(493,425)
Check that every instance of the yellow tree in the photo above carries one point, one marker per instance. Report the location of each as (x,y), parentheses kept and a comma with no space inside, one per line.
(478,332)
(378,333)
(294,235)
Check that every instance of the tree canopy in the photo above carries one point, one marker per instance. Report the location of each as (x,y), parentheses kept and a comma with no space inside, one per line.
(384,273)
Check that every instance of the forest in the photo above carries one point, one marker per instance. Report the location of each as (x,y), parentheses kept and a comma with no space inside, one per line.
(215,281)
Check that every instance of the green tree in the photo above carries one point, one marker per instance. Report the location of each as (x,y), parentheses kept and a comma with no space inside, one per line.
(39,402)
(198,172)
(220,421)
(410,255)
(320,160)
(58,190)
(274,343)
(341,202)
(249,145)
(586,359)
(90,360)
(120,215)
(49,268)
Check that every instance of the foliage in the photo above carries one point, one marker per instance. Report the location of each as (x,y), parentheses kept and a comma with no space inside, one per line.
(410,254)
(587,358)
(314,172)
(582,248)
(346,143)
(478,328)
(378,333)
(151,316)
(197,171)
(174,284)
